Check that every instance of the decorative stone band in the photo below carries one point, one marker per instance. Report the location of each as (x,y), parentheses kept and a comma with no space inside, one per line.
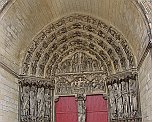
(40,82)
(132,74)
(80,84)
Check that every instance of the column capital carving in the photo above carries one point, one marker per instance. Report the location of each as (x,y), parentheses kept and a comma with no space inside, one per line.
(56,98)
(81,97)
(105,96)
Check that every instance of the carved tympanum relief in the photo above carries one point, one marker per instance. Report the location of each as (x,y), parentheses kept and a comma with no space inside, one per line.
(79,74)
(79,62)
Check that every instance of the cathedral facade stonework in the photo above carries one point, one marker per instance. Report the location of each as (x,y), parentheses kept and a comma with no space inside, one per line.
(86,51)
(80,55)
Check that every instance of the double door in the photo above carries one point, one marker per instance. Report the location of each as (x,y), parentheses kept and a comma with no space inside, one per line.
(95,109)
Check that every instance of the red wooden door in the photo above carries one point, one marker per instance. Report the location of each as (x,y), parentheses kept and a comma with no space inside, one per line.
(96,109)
(66,110)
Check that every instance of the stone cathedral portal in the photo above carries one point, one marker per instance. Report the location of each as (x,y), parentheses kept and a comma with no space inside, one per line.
(79,69)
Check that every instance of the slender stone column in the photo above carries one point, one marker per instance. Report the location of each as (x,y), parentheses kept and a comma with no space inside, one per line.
(81,108)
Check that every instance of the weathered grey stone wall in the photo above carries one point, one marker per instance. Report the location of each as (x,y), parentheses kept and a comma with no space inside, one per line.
(145,86)
(8,97)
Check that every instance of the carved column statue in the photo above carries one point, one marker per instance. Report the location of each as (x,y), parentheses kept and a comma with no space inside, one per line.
(133,97)
(112,103)
(25,103)
(81,108)
(36,98)
(123,99)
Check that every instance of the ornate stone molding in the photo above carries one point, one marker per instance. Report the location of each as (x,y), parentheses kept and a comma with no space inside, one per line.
(147,50)
(122,75)
(35,81)
(82,84)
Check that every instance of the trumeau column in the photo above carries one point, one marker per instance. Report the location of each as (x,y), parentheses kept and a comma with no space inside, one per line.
(81,107)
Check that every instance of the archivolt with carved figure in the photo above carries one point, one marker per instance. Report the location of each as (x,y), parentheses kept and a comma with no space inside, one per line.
(58,39)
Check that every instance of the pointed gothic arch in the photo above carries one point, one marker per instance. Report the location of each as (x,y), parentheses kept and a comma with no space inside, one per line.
(81,30)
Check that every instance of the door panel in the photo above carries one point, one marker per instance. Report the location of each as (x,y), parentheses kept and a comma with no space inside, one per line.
(66,110)
(96,109)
